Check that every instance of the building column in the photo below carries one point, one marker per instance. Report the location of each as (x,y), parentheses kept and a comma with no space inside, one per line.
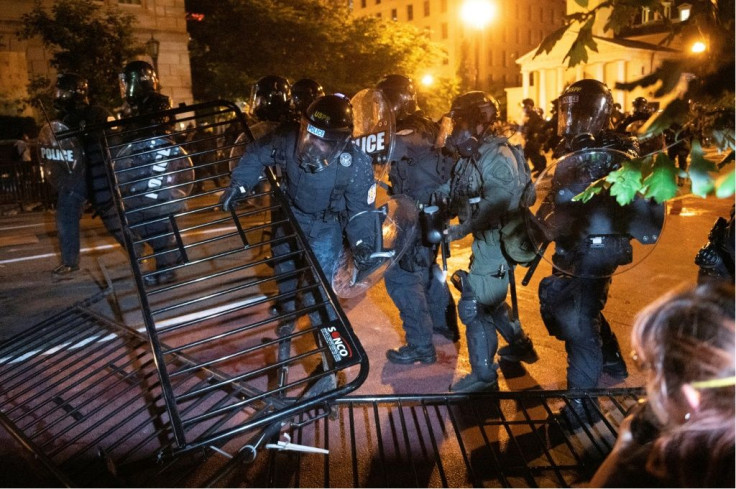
(579,73)
(560,81)
(525,83)
(620,95)
(542,90)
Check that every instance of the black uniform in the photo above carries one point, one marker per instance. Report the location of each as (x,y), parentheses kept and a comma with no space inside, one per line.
(425,303)
(325,203)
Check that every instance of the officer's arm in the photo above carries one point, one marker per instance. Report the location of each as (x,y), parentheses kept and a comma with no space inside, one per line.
(245,176)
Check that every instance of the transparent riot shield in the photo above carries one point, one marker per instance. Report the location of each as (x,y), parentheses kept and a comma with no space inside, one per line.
(597,238)
(61,158)
(396,223)
(374,131)
(154,172)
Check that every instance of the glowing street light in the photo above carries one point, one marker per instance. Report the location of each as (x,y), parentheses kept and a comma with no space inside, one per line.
(427,80)
(477,14)
(698,47)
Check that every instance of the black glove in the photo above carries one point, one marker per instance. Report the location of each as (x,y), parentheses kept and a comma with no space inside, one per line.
(231,196)
(454,233)
(362,256)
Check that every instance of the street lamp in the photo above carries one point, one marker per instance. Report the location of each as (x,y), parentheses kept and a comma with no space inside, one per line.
(477,14)
(698,47)
(152,46)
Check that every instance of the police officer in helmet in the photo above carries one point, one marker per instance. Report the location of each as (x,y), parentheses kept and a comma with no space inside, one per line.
(589,246)
(418,168)
(303,93)
(141,90)
(327,181)
(485,188)
(270,104)
(71,100)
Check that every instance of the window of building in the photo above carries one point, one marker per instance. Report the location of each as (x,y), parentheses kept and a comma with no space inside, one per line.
(426,8)
(394,14)
(410,12)
(503,59)
(378,15)
(667,10)
(445,61)
(130,2)
(363,3)
(518,79)
(503,78)
(443,6)
(490,57)
(646,15)
(444,30)
(684,11)
(378,2)
(518,35)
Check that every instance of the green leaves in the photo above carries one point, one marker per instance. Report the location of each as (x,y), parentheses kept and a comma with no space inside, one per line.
(626,181)
(578,52)
(700,171)
(661,184)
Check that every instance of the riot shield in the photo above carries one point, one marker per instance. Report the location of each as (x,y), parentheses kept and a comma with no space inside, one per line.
(153,171)
(374,129)
(61,159)
(396,223)
(597,238)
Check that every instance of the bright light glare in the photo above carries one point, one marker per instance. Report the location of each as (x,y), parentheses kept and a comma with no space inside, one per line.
(698,47)
(477,13)
(427,80)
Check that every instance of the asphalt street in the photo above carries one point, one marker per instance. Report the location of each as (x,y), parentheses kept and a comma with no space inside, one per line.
(29,294)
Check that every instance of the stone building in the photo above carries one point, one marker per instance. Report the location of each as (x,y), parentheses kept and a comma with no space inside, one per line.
(513,28)
(635,53)
(163,21)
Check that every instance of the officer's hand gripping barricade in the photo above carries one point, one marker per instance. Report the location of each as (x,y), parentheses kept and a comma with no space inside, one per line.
(596,238)
(374,131)
(396,223)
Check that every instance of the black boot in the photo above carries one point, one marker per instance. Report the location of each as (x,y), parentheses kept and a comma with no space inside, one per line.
(614,364)
(519,350)
(409,354)
(579,412)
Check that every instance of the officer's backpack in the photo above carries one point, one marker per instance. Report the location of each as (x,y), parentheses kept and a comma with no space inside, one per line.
(515,240)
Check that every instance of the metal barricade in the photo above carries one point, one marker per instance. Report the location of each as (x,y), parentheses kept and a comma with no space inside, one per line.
(209,286)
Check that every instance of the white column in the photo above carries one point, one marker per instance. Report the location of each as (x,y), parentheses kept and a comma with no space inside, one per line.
(560,81)
(542,90)
(525,83)
(620,95)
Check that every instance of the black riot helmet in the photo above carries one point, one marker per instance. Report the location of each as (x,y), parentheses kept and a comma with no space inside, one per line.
(472,113)
(303,93)
(584,109)
(640,105)
(401,95)
(270,98)
(137,81)
(324,132)
(71,92)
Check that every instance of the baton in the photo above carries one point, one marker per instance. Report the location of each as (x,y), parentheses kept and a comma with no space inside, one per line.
(534,264)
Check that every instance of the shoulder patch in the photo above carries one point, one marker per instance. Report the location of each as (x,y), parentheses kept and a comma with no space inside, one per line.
(346,159)
(371,194)
(404,132)
(502,173)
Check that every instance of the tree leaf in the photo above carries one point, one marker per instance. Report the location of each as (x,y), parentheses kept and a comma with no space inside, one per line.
(549,42)
(700,171)
(626,181)
(593,189)
(578,52)
(676,112)
(726,185)
(582,3)
(661,184)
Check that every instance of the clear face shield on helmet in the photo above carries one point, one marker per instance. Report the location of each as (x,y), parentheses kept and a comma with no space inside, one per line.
(577,117)
(63,98)
(316,148)
(135,85)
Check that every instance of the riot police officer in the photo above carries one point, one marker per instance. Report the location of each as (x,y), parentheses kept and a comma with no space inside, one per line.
(270,103)
(328,183)
(140,89)
(71,100)
(418,168)
(303,93)
(533,132)
(486,186)
(640,112)
(589,245)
